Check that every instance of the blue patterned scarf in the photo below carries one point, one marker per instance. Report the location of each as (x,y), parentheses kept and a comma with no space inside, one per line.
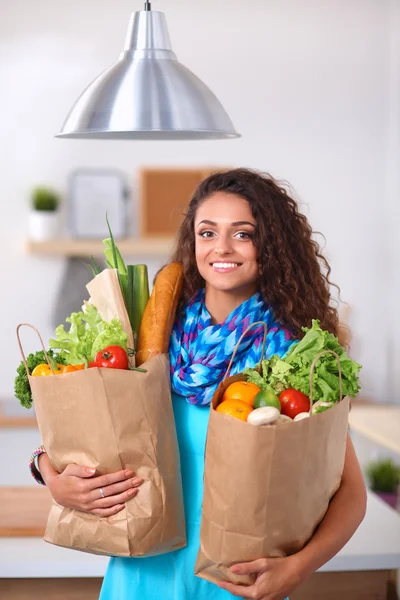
(200,352)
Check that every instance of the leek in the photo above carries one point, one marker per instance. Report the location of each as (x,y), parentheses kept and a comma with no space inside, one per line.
(137,296)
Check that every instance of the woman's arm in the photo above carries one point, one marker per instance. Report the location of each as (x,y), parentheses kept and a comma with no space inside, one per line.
(77,487)
(279,577)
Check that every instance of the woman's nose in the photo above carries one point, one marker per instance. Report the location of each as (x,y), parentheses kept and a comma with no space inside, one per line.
(224,245)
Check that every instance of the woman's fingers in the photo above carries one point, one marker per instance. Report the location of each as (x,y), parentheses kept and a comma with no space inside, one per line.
(102,481)
(115,488)
(79,471)
(107,512)
(79,488)
(110,501)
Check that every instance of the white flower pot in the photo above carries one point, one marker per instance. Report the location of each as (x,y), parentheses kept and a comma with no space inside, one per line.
(44,225)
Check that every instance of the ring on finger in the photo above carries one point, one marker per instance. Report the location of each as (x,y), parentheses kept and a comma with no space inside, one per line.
(101,492)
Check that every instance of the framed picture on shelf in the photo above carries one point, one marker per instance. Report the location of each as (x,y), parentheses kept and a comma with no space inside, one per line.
(92,195)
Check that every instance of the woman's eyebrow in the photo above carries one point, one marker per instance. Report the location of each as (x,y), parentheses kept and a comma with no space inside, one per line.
(240,223)
(207,222)
(234,224)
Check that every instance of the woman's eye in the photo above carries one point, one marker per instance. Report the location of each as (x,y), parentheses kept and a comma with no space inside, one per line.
(206,234)
(244,235)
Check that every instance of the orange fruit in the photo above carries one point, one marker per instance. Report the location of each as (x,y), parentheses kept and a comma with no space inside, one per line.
(241,390)
(235,408)
(72,368)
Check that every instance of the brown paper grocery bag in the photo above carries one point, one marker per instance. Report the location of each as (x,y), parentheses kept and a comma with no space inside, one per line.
(113,419)
(266,488)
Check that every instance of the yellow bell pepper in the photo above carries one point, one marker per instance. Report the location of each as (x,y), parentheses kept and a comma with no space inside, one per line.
(44,370)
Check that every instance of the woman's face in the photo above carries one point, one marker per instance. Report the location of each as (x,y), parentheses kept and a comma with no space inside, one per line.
(226,256)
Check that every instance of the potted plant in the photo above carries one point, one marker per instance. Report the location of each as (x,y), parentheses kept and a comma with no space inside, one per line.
(44,218)
(384,478)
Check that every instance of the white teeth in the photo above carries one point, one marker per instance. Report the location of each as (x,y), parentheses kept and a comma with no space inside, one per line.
(225,265)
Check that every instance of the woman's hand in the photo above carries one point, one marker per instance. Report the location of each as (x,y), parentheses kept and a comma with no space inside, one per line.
(77,487)
(276,578)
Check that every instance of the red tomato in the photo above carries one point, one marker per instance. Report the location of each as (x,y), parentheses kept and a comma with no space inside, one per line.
(113,357)
(293,402)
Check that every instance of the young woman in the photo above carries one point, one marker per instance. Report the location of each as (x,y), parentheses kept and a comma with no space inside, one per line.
(248,255)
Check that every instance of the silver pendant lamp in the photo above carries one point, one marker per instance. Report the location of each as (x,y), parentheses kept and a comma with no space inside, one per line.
(147,94)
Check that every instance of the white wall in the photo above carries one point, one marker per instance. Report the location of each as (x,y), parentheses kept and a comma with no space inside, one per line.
(311,85)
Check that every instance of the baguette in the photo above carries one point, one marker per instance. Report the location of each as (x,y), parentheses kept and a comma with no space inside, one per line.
(159,314)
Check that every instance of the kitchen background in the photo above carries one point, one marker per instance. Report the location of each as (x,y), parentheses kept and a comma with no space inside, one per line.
(312,86)
(314,89)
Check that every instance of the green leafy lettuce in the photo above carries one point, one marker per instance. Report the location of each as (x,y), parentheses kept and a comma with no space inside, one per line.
(88,334)
(293,371)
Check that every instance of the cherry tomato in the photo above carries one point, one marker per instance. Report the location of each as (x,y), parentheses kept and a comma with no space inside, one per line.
(293,402)
(113,357)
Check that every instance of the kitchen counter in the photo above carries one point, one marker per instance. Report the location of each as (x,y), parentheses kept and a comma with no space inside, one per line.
(380,424)
(375,546)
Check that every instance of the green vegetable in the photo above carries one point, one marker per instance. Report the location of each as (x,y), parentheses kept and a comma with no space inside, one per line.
(133,281)
(115,261)
(254,376)
(137,296)
(274,374)
(293,371)
(93,267)
(88,334)
(22,389)
(326,373)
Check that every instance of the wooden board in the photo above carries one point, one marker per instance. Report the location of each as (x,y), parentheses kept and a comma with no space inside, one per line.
(50,589)
(345,585)
(359,585)
(159,246)
(24,511)
(164,197)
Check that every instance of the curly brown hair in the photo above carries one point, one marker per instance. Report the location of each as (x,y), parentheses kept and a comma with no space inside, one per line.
(294,275)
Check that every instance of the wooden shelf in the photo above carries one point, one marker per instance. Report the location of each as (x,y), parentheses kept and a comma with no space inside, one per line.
(17,422)
(157,246)
(18,417)
(24,511)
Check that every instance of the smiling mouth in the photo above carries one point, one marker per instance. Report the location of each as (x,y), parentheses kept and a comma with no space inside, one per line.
(225,266)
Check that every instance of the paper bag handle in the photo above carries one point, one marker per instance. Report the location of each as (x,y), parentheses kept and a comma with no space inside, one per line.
(22,350)
(316,359)
(240,339)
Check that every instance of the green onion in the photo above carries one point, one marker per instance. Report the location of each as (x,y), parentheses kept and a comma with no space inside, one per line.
(115,261)
(93,268)
(137,296)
